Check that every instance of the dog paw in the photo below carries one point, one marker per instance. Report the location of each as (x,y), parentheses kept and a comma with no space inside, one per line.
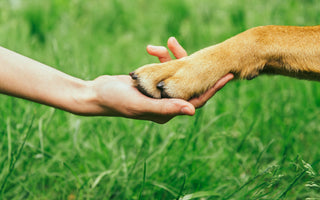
(152,79)
(181,78)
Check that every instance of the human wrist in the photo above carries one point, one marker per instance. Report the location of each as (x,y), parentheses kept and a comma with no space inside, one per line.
(84,100)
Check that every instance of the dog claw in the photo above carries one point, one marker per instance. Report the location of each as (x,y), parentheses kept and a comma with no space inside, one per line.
(251,77)
(133,76)
(160,85)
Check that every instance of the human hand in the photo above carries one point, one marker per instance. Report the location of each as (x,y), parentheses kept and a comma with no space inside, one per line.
(115,95)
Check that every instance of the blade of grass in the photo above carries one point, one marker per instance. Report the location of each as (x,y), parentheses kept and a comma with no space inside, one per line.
(182,187)
(165,187)
(140,150)
(74,174)
(247,134)
(290,186)
(96,182)
(202,194)
(41,136)
(261,153)
(9,140)
(143,180)
(248,182)
(14,161)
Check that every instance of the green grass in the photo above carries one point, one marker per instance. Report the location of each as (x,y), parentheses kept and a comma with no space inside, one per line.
(254,140)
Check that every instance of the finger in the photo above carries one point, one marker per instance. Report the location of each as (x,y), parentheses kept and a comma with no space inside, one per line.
(161,52)
(163,110)
(200,101)
(224,80)
(177,50)
(167,107)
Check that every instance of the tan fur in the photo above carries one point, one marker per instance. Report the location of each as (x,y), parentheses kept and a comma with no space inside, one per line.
(286,50)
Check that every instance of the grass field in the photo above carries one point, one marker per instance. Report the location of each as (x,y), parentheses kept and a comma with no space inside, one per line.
(253,140)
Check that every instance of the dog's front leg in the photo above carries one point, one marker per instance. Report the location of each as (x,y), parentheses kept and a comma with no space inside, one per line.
(285,50)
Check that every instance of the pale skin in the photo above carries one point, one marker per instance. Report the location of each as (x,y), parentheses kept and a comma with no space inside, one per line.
(104,96)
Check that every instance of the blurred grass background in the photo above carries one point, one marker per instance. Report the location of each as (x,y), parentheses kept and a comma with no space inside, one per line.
(254,140)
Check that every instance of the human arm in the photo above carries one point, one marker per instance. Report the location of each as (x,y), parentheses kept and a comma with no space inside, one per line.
(105,96)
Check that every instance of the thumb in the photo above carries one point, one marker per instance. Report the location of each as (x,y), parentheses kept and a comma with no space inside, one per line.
(172,107)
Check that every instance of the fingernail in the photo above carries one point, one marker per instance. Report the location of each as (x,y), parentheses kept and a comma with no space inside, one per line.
(186,110)
(150,46)
(173,39)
